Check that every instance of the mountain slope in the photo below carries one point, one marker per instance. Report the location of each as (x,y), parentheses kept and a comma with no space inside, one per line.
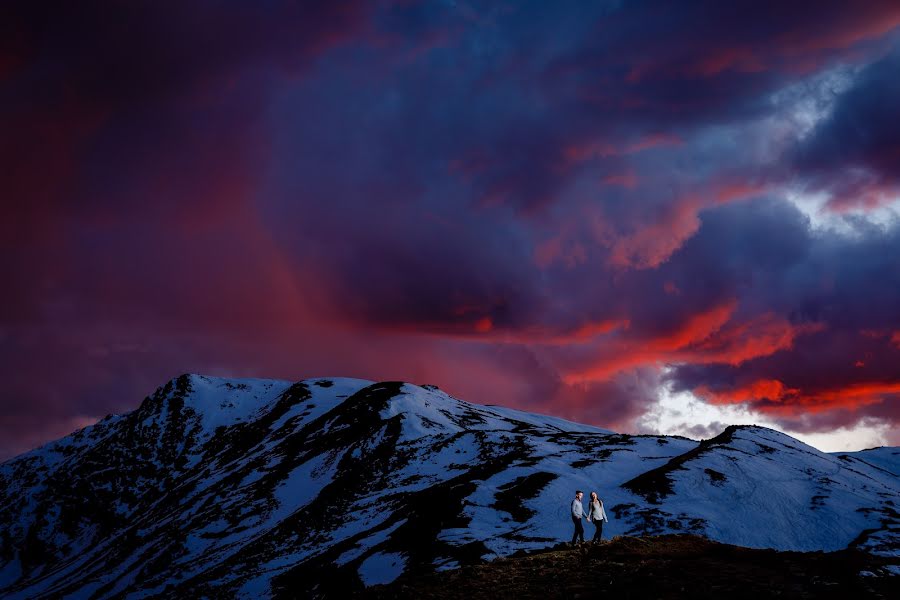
(253,487)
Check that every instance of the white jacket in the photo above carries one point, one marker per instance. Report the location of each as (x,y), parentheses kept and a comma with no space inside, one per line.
(597,512)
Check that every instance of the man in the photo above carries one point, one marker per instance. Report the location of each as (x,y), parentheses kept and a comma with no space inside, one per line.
(577,515)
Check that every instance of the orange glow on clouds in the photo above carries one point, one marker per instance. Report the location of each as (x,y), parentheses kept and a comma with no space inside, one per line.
(740,342)
(708,337)
(483,325)
(622,354)
(652,244)
(787,401)
(769,389)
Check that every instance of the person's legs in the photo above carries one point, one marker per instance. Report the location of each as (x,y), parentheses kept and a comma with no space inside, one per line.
(579,530)
(598,532)
(575,535)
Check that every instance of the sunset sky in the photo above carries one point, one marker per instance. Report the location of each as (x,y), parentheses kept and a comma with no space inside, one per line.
(649,216)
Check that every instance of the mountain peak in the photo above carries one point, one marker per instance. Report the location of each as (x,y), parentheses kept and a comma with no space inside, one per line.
(256,487)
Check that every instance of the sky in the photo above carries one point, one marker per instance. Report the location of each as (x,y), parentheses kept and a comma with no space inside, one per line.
(655,217)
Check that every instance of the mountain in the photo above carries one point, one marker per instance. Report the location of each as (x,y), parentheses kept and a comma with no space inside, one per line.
(254,488)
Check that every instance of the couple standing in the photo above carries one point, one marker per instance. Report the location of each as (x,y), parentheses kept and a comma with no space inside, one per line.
(596,515)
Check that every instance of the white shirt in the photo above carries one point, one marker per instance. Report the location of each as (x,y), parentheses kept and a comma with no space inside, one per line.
(597,512)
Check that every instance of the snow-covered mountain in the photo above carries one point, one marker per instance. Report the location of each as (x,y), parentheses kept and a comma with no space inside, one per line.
(255,488)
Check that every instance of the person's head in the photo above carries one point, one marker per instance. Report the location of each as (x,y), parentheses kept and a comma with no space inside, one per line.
(579,494)
(593,496)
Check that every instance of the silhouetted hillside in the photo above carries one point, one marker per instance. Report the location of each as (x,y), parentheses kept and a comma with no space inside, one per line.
(668,566)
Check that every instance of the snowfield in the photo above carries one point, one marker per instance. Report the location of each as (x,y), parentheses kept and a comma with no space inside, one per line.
(261,488)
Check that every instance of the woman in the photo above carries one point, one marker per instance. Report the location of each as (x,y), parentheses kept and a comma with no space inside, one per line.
(597,515)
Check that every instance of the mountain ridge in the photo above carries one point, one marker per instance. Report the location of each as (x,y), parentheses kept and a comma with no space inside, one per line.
(253,487)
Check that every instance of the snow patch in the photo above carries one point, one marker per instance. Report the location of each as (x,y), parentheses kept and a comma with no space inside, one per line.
(382,568)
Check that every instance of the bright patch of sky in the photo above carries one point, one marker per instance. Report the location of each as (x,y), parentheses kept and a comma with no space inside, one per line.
(812,204)
(799,109)
(682,413)
(801,106)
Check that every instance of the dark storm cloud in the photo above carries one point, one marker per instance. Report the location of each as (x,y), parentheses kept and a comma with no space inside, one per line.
(681,63)
(129,153)
(855,152)
(111,108)
(861,131)
(535,204)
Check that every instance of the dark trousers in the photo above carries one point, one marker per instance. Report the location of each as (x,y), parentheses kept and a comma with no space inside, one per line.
(599,530)
(579,530)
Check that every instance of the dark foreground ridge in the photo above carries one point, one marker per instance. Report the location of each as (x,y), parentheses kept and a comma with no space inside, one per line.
(666,566)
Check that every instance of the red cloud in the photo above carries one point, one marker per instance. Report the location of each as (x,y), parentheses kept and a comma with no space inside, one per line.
(742,59)
(768,389)
(622,354)
(582,151)
(739,342)
(729,191)
(709,337)
(651,244)
(868,20)
(654,140)
(771,396)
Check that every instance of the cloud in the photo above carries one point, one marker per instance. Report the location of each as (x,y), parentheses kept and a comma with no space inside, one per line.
(120,109)
(700,431)
(398,191)
(840,290)
(854,154)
